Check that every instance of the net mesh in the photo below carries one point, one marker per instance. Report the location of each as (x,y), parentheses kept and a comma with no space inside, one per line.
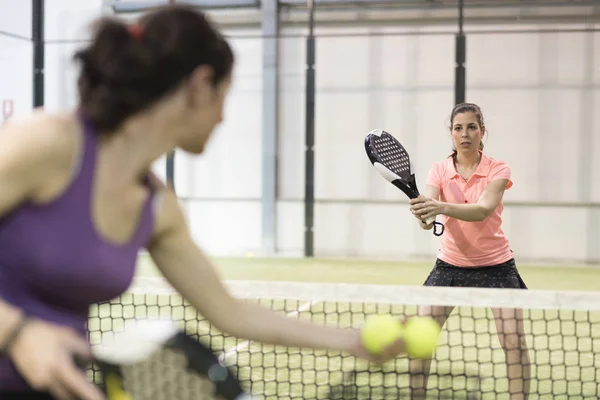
(562,334)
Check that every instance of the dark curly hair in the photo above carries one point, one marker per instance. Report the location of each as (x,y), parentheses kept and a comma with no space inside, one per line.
(126,69)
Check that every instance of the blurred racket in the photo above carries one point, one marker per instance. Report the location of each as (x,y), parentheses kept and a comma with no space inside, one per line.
(155,361)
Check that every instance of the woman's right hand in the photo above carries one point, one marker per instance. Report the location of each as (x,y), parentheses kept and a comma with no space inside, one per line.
(45,354)
(419,200)
(425,225)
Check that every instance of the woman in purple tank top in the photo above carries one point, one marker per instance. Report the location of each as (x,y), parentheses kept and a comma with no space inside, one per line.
(78,202)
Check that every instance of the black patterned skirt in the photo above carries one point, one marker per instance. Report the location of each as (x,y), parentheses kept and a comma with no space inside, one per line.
(503,275)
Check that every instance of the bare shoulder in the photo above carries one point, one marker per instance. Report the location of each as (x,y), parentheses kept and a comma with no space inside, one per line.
(38,153)
(45,135)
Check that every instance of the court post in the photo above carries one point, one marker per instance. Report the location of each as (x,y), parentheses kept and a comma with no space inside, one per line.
(270,111)
(461,55)
(170,159)
(37,35)
(309,153)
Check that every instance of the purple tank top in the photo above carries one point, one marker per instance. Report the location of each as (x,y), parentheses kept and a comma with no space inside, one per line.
(53,262)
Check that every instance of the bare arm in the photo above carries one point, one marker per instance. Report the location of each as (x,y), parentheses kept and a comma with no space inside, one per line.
(36,158)
(11,318)
(486,204)
(192,274)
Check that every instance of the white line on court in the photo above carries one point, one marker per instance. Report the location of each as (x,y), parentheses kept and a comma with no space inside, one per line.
(243,345)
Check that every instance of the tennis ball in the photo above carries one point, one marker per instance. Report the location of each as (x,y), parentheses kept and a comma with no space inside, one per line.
(114,390)
(421,336)
(379,332)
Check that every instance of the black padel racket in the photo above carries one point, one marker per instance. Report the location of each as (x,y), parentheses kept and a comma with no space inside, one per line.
(156,361)
(392,161)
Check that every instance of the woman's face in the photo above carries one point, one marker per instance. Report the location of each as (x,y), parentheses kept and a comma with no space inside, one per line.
(466,132)
(203,113)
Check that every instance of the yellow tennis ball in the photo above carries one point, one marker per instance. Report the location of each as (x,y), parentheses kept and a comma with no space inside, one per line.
(421,336)
(379,332)
(114,390)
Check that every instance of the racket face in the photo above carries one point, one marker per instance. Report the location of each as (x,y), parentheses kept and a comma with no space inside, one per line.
(391,160)
(173,367)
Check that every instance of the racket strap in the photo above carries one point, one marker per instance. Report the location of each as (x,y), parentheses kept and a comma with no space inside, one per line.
(435,225)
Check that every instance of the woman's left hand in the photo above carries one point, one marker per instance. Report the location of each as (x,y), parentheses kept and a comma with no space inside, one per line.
(425,207)
(390,352)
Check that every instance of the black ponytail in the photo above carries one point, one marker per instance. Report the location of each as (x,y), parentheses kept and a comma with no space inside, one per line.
(128,68)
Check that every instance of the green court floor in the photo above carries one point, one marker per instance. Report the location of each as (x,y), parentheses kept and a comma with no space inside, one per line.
(378,272)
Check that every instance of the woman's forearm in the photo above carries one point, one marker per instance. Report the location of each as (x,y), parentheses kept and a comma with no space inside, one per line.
(255,322)
(9,320)
(465,212)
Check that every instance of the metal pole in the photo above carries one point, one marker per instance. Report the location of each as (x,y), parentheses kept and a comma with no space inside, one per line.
(461,55)
(309,157)
(37,34)
(270,111)
(170,163)
(170,166)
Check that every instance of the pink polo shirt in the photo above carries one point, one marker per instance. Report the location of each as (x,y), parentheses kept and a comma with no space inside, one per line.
(471,244)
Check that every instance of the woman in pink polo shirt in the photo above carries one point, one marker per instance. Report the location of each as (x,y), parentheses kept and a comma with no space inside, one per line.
(466,190)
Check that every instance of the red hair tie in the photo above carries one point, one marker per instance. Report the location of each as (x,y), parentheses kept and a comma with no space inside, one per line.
(136,31)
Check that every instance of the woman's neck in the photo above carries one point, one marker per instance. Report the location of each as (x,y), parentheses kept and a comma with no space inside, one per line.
(137,145)
(468,160)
